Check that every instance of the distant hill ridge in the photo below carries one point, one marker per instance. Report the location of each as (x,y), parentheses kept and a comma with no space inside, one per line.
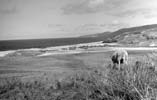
(122,31)
(135,36)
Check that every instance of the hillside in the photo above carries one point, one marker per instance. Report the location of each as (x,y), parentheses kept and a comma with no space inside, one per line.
(135,36)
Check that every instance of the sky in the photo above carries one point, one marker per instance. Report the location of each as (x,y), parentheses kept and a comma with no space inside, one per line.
(29,19)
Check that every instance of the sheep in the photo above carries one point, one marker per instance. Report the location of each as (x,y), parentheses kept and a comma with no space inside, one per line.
(119,57)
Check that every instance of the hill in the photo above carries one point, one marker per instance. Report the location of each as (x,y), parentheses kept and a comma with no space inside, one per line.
(135,36)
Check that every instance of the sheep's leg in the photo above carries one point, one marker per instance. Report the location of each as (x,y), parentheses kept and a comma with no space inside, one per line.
(114,66)
(126,60)
(119,64)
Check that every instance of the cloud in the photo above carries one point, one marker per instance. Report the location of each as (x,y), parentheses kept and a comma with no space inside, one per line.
(95,3)
(82,28)
(9,10)
(83,7)
(79,7)
(94,28)
(136,8)
(92,6)
(8,7)
(55,25)
(120,9)
(151,14)
(131,13)
(88,27)
(61,28)
(114,25)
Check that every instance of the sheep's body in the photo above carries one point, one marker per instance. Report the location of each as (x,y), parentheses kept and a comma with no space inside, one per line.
(120,57)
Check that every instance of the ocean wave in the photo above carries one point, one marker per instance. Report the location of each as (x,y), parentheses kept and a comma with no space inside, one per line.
(66,49)
(4,53)
(59,53)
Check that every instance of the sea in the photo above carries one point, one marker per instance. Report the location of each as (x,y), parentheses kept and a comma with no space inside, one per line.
(6,45)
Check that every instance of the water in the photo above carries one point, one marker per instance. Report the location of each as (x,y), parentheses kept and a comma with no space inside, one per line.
(42,43)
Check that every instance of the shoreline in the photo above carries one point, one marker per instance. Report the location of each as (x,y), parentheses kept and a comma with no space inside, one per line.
(66,49)
(57,50)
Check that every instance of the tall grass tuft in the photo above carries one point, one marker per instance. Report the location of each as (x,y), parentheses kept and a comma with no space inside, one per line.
(134,82)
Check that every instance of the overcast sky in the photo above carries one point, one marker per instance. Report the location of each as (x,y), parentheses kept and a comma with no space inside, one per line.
(26,19)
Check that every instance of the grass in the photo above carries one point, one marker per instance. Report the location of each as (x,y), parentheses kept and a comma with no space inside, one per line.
(86,76)
(134,82)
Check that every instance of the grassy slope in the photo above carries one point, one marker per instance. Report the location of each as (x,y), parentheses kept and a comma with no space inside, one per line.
(134,36)
(85,76)
(18,64)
